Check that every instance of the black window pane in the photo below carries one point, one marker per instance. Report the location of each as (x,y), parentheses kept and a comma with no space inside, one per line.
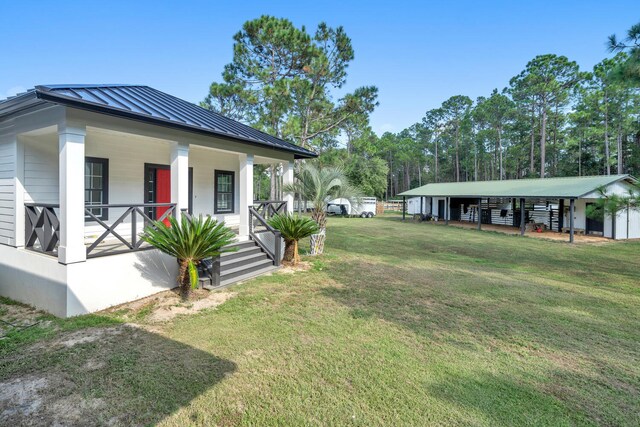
(95,181)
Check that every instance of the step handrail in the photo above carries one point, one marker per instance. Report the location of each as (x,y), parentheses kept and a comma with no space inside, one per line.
(274,254)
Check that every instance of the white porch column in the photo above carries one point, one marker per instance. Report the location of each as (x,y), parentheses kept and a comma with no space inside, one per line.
(246,192)
(180,177)
(287,178)
(71,193)
(19,195)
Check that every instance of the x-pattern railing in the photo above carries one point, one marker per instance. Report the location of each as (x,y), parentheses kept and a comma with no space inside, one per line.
(269,208)
(133,211)
(41,226)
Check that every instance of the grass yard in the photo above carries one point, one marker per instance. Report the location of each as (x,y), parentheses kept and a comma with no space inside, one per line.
(398,324)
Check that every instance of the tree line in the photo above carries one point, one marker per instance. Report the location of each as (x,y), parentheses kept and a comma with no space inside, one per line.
(552,119)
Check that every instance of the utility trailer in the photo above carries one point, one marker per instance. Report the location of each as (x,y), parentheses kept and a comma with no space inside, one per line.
(365,207)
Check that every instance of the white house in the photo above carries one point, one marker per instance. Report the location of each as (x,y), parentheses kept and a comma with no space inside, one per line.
(84,168)
(559,204)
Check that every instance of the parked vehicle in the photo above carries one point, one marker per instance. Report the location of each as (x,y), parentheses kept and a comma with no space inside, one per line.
(365,208)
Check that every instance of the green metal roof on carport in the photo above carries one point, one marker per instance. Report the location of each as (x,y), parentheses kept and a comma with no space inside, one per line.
(561,188)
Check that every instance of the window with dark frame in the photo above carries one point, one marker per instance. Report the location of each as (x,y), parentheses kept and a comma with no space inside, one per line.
(96,186)
(224,192)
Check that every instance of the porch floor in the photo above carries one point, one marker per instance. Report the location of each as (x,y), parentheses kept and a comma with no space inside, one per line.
(112,245)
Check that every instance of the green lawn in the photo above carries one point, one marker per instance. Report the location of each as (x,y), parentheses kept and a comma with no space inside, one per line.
(398,324)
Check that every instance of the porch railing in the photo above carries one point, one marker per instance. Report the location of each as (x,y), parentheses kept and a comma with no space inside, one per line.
(267,237)
(269,208)
(133,212)
(42,227)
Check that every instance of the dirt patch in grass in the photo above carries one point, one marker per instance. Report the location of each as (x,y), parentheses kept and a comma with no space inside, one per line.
(288,268)
(32,400)
(16,316)
(120,375)
(164,306)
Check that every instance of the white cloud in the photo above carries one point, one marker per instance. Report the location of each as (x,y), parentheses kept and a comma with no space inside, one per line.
(385,127)
(12,91)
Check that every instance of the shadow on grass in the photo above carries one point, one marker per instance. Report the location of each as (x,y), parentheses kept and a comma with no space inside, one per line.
(118,375)
(491,317)
(399,241)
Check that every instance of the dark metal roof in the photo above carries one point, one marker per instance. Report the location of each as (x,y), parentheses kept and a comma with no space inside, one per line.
(150,105)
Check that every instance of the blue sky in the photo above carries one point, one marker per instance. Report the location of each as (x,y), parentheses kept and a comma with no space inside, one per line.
(417,53)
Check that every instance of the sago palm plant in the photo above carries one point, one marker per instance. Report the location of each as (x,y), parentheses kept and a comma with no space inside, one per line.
(319,186)
(191,240)
(293,228)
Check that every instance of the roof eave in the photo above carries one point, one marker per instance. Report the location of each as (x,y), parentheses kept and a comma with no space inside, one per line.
(46,95)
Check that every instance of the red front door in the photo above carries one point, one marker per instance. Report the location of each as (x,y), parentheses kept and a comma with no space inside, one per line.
(162,191)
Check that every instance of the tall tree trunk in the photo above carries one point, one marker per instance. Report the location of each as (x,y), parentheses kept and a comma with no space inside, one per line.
(555,142)
(457,154)
(390,192)
(532,159)
(407,177)
(500,170)
(543,141)
(606,135)
(436,159)
(580,154)
(620,165)
(475,163)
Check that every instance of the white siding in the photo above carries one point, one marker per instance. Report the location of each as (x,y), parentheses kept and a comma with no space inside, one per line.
(413,205)
(205,162)
(621,188)
(127,156)
(7,189)
(41,170)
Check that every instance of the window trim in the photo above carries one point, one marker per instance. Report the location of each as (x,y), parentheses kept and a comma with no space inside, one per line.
(216,173)
(105,187)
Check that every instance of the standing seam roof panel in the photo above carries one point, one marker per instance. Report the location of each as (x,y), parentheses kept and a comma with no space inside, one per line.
(146,102)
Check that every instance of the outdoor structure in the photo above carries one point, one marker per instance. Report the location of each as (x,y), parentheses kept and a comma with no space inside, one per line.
(556,204)
(84,168)
(418,205)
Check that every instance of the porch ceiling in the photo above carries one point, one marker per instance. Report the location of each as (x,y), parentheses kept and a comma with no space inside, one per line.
(149,105)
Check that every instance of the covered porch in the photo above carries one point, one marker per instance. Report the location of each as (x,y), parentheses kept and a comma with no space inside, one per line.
(88,191)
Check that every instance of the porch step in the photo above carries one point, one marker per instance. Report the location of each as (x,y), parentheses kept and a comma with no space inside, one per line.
(244,249)
(248,261)
(226,282)
(247,258)
(229,273)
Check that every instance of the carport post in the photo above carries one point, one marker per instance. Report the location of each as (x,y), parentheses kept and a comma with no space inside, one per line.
(404,207)
(480,214)
(446,211)
(522,216)
(421,205)
(572,207)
